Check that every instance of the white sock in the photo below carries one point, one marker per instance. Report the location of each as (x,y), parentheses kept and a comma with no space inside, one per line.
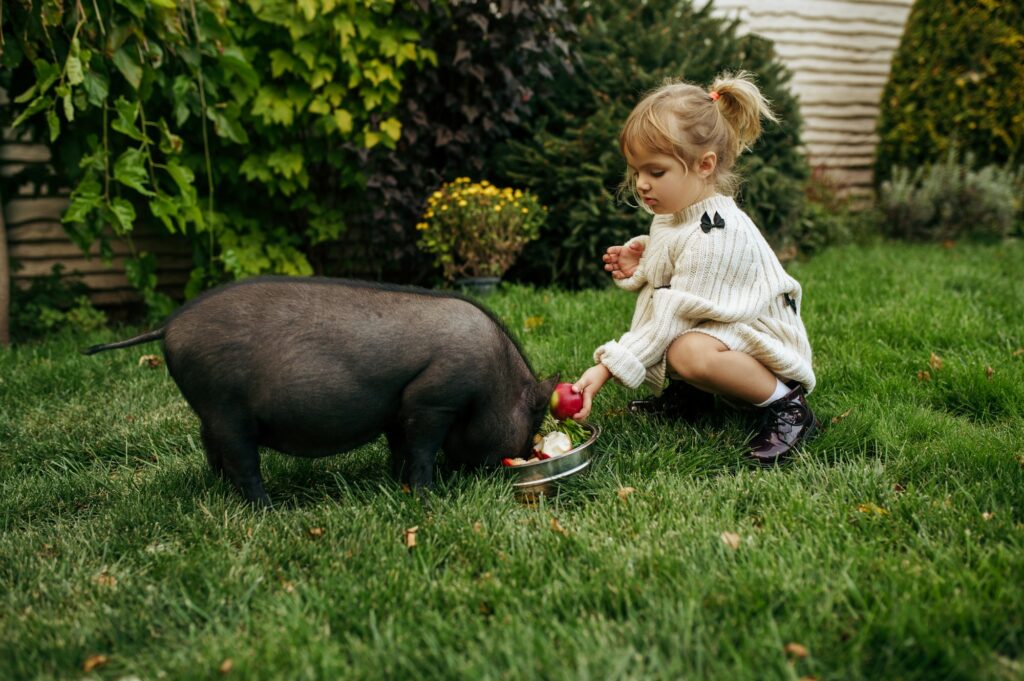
(781,390)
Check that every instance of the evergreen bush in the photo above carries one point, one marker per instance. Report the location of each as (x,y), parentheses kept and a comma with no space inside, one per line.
(957,80)
(951,200)
(570,156)
(495,62)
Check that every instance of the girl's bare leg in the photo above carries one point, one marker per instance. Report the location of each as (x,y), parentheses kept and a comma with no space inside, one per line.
(706,362)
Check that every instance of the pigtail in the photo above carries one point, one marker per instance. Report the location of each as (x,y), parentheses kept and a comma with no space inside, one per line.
(743,106)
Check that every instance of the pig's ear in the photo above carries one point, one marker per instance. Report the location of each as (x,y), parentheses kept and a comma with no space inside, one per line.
(542,395)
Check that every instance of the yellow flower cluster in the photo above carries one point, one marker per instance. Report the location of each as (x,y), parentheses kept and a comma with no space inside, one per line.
(477,228)
(463,191)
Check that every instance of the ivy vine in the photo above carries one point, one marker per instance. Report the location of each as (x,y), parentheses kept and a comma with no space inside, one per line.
(239,125)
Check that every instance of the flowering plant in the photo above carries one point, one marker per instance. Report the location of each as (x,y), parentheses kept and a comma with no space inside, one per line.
(475,229)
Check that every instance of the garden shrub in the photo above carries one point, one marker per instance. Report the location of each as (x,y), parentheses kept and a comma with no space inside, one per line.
(951,200)
(240,125)
(51,303)
(827,218)
(957,80)
(495,63)
(569,155)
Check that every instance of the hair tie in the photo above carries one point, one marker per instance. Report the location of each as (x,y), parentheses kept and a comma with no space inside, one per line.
(714,95)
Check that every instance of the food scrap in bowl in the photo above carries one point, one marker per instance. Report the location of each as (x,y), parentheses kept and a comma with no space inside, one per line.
(559,439)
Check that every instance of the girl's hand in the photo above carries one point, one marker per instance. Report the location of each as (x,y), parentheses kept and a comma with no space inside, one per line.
(588,384)
(621,261)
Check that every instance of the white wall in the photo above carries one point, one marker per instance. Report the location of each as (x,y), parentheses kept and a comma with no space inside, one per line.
(839,52)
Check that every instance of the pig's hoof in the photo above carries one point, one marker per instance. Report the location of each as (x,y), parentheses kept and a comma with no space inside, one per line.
(261,502)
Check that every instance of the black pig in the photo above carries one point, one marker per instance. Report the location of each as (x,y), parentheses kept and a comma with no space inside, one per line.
(316,366)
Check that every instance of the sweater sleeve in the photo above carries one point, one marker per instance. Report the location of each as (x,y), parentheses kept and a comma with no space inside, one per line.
(639,277)
(716,277)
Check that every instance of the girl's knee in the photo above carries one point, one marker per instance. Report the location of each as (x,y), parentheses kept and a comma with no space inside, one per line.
(691,357)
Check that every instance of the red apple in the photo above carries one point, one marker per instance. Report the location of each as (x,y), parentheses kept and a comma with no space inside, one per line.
(564,402)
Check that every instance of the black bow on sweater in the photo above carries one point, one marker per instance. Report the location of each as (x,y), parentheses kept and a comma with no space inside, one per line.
(707,225)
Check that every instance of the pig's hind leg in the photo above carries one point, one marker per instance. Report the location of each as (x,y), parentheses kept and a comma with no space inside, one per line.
(234,455)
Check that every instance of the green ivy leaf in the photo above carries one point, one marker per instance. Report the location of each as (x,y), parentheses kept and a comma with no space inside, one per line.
(27,94)
(46,74)
(37,105)
(53,123)
(84,200)
(69,108)
(136,7)
(128,67)
(227,124)
(182,89)
(127,112)
(74,70)
(344,120)
(130,170)
(141,271)
(233,59)
(97,87)
(182,175)
(169,142)
(123,214)
(166,210)
(392,127)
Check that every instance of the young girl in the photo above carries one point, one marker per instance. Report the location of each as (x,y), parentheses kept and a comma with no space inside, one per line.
(716,311)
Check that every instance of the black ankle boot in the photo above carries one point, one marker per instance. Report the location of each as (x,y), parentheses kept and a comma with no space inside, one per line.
(787,422)
(679,400)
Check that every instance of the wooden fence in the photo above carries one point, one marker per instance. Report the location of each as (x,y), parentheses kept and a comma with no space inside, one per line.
(37,240)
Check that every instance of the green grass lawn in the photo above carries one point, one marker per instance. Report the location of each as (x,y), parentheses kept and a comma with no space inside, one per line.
(893,548)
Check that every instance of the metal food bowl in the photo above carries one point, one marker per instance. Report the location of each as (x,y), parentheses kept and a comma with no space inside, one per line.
(541,478)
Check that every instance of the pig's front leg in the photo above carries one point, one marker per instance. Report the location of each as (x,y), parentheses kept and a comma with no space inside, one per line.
(424,433)
(399,455)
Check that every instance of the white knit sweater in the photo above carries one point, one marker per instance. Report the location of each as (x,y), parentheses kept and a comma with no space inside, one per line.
(725,282)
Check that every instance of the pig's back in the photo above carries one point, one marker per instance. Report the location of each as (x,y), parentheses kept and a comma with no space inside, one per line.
(281,333)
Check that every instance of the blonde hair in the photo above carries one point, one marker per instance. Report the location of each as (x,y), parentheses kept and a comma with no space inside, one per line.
(685,121)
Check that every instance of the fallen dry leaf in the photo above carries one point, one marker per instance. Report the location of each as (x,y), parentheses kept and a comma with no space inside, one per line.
(988,372)
(924,376)
(935,362)
(837,419)
(410,537)
(406,489)
(988,515)
(898,488)
(105,579)
(92,662)
(624,492)
(1020,459)
(730,539)
(1018,352)
(226,666)
(289,587)
(316,532)
(872,508)
(478,527)
(796,650)
(151,361)
(948,244)
(557,527)
(533,322)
